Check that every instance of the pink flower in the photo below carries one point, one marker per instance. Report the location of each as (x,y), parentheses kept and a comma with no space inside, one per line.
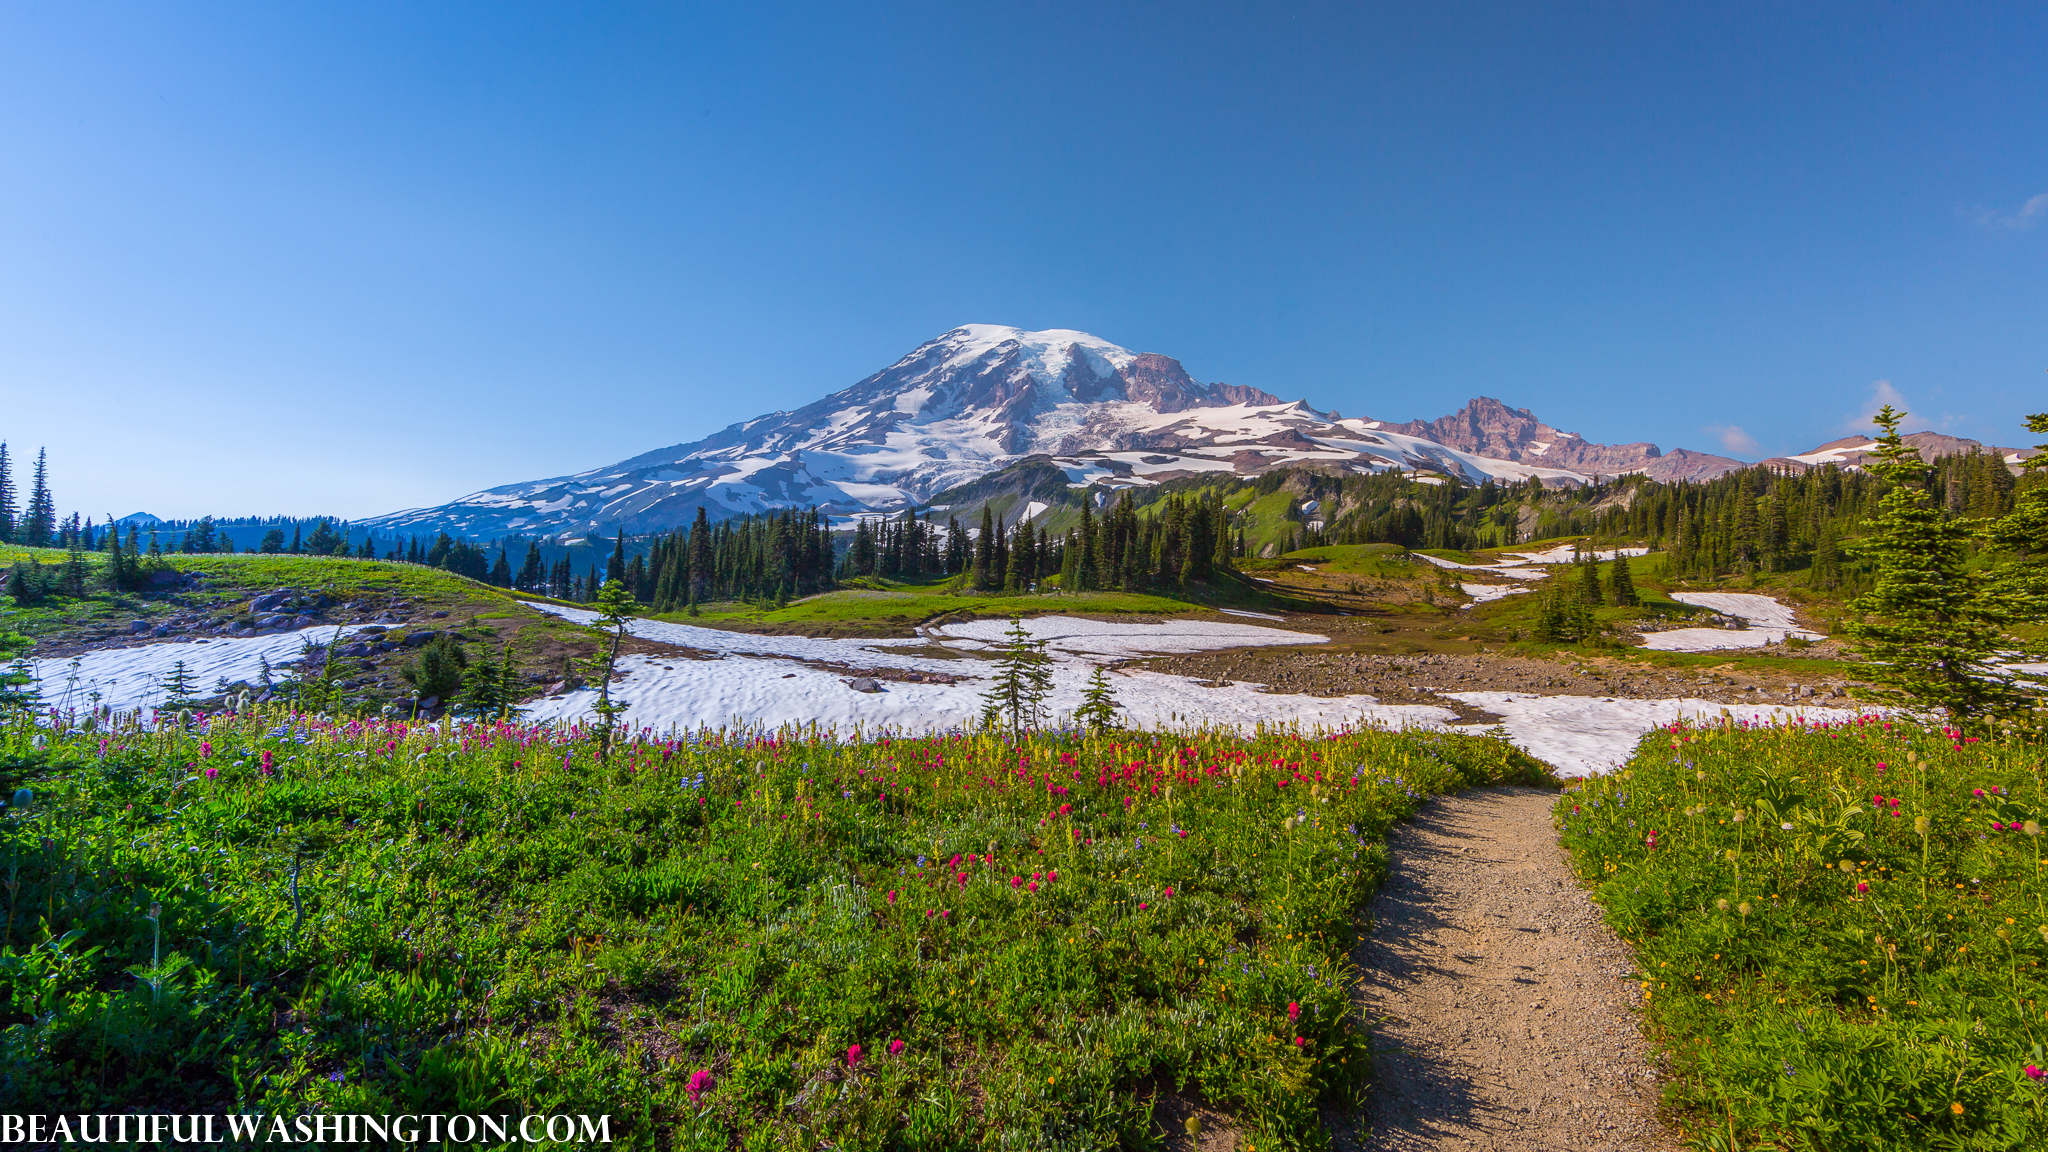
(2034,1073)
(1142,907)
(1300,1043)
(892,895)
(205,749)
(1977,792)
(1169,892)
(1031,887)
(1016,881)
(1293,1011)
(213,773)
(701,1081)
(853,1056)
(267,762)
(1052,876)
(895,1047)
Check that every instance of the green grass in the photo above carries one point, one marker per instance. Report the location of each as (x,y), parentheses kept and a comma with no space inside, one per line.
(1892,1001)
(375,919)
(1389,560)
(231,577)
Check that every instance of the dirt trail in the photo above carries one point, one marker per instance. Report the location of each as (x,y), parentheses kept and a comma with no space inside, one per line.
(1503,1004)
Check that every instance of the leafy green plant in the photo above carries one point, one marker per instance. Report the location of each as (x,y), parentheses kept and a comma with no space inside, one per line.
(1841,929)
(756,939)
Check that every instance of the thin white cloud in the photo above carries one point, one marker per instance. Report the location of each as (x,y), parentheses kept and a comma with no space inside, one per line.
(1733,439)
(1881,394)
(2022,219)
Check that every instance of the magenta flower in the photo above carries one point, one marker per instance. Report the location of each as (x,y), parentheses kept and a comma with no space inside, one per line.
(2034,1073)
(892,895)
(213,773)
(1052,876)
(1300,1043)
(1169,892)
(1293,1011)
(895,1047)
(1862,886)
(1016,881)
(701,1081)
(853,1056)
(1142,907)
(267,762)
(205,749)
(1031,887)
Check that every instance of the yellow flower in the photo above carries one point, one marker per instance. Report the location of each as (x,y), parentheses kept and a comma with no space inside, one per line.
(1956,1108)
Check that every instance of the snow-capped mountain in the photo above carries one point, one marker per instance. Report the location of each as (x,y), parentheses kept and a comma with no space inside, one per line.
(982,397)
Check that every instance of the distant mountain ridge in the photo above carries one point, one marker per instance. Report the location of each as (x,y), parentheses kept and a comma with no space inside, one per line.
(982,397)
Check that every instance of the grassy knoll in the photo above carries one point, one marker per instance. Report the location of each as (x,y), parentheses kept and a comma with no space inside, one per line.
(886,607)
(228,578)
(1842,930)
(767,942)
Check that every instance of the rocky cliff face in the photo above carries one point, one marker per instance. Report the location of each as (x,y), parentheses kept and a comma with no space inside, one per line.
(982,397)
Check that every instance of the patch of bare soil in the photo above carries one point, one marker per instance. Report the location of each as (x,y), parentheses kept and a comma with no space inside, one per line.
(1419,678)
(1503,1011)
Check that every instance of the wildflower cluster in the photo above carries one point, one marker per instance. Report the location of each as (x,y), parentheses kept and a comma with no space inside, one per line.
(783,938)
(1841,927)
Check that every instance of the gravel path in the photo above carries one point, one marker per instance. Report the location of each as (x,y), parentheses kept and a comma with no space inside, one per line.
(1504,1006)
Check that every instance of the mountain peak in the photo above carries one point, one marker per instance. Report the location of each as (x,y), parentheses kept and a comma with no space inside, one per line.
(981,397)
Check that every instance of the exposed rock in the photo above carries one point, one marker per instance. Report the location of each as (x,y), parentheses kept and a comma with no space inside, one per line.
(864,684)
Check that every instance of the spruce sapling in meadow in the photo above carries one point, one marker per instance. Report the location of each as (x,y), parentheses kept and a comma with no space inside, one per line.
(614,613)
(1927,630)
(1098,703)
(483,689)
(436,673)
(177,686)
(1621,586)
(1023,679)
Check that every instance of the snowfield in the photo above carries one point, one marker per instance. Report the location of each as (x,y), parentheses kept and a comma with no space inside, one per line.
(1581,735)
(133,677)
(1769,623)
(1481,593)
(755,681)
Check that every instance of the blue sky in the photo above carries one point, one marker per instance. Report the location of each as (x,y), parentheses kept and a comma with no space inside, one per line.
(351,258)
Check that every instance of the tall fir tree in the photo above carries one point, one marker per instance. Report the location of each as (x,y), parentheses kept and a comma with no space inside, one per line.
(615,567)
(1022,680)
(9,511)
(1621,586)
(40,518)
(1929,635)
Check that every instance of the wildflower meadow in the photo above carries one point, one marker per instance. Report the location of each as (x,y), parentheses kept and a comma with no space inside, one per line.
(730,939)
(1841,929)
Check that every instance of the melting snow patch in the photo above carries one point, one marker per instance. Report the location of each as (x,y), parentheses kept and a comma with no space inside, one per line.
(133,677)
(1581,735)
(1769,623)
(1481,593)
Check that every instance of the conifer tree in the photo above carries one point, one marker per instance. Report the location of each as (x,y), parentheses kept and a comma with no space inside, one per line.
(501,572)
(177,686)
(1098,703)
(1589,580)
(1621,585)
(482,694)
(295,538)
(615,567)
(1929,634)
(1023,679)
(40,519)
(9,512)
(985,548)
(700,556)
(614,613)
(20,692)
(273,540)
(532,572)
